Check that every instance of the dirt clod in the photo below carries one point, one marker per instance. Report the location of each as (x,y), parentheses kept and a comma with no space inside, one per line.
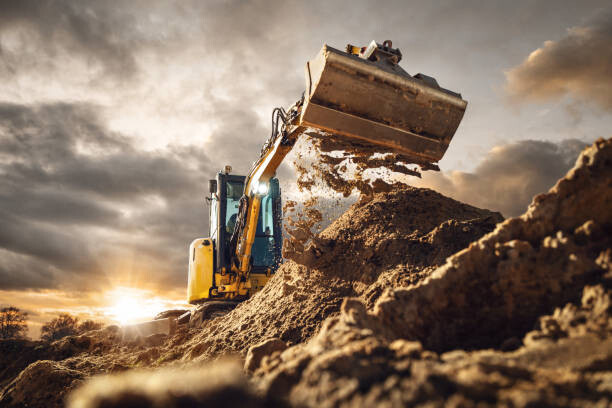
(257,352)
(223,384)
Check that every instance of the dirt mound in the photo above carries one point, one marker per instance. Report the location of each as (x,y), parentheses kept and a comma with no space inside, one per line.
(42,384)
(529,265)
(40,374)
(488,295)
(222,384)
(16,355)
(399,234)
(408,226)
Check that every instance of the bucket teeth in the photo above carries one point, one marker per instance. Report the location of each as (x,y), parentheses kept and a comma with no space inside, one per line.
(379,103)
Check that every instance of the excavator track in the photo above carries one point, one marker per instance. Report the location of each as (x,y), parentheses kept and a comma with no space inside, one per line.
(210,310)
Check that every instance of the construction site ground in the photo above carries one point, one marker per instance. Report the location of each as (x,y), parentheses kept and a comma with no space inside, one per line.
(410,298)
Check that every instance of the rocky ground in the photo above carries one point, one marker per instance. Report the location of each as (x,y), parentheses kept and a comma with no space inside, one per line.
(409,298)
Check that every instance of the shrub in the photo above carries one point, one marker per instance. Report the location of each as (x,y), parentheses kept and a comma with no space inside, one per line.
(13,323)
(63,325)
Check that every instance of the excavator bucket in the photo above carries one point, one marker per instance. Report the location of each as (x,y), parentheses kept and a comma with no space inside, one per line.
(364,95)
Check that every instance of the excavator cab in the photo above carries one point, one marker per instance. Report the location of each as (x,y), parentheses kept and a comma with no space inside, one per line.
(210,258)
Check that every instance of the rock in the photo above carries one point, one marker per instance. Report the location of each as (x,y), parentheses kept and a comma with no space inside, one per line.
(259,351)
(155,340)
(42,384)
(221,384)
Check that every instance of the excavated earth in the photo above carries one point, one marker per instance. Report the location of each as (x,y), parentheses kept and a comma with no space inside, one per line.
(409,298)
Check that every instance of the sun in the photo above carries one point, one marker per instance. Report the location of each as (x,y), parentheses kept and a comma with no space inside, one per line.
(133,305)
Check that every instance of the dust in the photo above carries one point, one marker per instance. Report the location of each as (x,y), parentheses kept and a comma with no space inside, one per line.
(333,167)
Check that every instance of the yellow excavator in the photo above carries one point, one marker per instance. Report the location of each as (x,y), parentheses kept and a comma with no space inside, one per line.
(360,95)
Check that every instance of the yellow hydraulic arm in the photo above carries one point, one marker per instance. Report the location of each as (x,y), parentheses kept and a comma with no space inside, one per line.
(285,132)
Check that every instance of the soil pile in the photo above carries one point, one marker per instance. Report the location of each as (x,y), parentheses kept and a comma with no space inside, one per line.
(40,374)
(391,239)
(387,240)
(557,255)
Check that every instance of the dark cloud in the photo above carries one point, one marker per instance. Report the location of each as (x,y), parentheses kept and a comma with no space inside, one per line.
(90,29)
(509,176)
(579,64)
(19,271)
(75,195)
(54,245)
(238,134)
(67,147)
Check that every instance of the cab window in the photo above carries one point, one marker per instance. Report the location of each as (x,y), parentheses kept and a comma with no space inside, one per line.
(263,248)
(233,193)
(213,218)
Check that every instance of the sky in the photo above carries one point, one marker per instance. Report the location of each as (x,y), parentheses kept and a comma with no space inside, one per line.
(114,114)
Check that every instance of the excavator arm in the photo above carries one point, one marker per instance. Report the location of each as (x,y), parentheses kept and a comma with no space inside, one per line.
(360,95)
(285,132)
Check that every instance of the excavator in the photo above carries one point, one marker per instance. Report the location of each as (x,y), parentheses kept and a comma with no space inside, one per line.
(359,95)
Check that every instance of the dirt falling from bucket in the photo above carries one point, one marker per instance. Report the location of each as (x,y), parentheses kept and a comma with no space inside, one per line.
(337,168)
(346,166)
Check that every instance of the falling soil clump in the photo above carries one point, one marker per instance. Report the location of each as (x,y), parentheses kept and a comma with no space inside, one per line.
(343,165)
(408,299)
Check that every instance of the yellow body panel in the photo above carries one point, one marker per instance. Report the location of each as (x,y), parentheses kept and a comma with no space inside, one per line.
(202,276)
(201,269)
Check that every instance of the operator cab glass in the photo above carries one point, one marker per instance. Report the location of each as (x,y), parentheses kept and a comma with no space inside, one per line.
(264,246)
(233,193)
(266,251)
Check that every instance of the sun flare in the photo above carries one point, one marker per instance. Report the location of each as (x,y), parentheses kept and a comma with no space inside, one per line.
(132,305)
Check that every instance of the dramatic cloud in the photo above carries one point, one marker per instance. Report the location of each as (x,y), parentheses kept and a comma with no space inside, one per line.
(76,196)
(509,176)
(579,64)
(41,32)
